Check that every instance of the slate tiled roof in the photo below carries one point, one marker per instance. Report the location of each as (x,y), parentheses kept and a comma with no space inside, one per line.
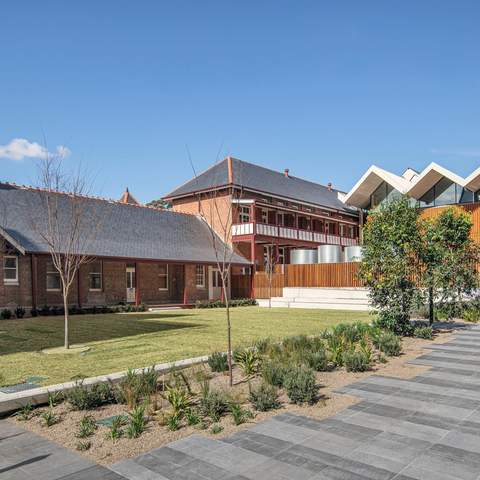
(262,179)
(124,231)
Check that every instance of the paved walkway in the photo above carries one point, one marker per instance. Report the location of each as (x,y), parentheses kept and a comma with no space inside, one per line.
(425,428)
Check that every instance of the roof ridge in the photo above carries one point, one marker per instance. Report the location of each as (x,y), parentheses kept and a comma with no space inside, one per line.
(282,174)
(91,197)
(196,175)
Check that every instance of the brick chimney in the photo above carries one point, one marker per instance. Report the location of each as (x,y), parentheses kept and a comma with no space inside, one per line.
(286,172)
(329,186)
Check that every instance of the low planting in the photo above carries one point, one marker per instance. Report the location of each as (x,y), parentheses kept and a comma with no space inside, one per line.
(268,375)
(240,302)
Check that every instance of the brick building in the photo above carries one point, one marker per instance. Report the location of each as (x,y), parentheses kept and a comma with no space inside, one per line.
(137,254)
(264,209)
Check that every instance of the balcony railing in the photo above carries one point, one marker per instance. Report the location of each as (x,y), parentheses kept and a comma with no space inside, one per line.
(290,233)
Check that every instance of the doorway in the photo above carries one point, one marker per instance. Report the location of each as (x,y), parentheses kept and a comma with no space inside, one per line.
(131,284)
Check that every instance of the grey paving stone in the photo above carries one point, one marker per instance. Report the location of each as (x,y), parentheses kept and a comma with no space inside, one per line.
(134,471)
(96,472)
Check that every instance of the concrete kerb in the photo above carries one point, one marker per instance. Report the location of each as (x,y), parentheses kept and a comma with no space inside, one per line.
(9,402)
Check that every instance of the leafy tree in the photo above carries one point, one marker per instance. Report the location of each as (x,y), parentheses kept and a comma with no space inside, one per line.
(450,257)
(159,203)
(391,243)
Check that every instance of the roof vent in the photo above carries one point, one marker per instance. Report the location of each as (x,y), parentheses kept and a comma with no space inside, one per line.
(286,172)
(329,186)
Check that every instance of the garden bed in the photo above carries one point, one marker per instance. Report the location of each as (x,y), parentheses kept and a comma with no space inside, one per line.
(106,450)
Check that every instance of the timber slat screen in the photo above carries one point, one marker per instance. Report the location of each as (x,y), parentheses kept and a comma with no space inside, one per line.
(241,286)
(333,275)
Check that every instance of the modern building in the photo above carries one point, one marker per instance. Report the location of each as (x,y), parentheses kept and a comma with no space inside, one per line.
(259,209)
(136,253)
(433,189)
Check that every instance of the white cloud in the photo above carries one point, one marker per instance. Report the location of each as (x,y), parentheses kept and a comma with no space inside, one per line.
(459,152)
(20,148)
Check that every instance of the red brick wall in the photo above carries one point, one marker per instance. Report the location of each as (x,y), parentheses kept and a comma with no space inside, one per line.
(114,285)
(21,294)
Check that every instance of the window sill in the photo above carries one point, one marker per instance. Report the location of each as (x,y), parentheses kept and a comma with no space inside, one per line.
(11,284)
(200,287)
(95,290)
(56,290)
(163,289)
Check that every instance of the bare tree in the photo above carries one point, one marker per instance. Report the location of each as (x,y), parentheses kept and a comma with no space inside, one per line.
(217,211)
(271,261)
(69,223)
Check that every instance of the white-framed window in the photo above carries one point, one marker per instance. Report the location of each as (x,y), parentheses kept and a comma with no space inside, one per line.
(264,216)
(341,229)
(163,277)
(95,277)
(352,231)
(281,218)
(10,270)
(53,278)
(244,214)
(200,276)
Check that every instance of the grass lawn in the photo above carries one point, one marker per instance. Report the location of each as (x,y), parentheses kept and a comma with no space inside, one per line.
(120,341)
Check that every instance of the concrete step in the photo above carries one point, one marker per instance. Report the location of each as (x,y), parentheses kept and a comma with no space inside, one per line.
(296,292)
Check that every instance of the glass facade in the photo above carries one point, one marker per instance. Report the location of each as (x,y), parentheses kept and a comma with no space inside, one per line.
(384,193)
(446,192)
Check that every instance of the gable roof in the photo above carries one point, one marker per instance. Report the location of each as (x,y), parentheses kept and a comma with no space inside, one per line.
(127,197)
(360,193)
(429,177)
(124,230)
(232,171)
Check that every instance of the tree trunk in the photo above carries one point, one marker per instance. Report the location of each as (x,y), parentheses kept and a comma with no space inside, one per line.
(229,335)
(270,294)
(430,306)
(65,307)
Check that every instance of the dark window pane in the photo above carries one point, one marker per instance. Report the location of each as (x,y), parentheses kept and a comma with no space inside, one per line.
(445,192)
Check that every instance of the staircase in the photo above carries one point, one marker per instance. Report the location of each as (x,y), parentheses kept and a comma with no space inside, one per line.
(322,298)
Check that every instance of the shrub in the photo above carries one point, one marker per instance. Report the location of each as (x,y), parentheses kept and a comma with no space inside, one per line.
(137,422)
(356,361)
(49,418)
(389,344)
(218,362)
(296,343)
(248,360)
(262,346)
(336,347)
(5,314)
(264,397)
(54,398)
(87,427)
(25,413)
(471,314)
(216,429)
(82,397)
(300,385)
(19,312)
(34,312)
(44,311)
(317,360)
(212,404)
(395,325)
(173,423)
(115,430)
(240,415)
(273,373)
(423,332)
(241,302)
(179,400)
(83,446)
(192,418)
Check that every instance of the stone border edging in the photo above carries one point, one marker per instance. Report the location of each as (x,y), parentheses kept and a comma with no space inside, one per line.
(10,402)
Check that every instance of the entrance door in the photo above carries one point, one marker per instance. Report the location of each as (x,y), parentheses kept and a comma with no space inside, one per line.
(215,284)
(130,284)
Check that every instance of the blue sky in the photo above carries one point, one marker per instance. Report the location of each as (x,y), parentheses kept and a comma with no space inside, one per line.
(323,88)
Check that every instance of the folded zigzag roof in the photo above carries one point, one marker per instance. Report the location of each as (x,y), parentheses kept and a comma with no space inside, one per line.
(413,184)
